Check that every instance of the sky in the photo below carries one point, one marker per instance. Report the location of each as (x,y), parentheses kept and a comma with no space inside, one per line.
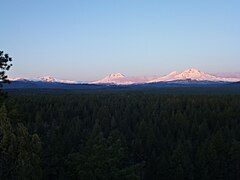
(88,39)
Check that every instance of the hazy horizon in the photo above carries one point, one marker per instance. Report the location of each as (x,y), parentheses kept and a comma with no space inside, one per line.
(140,77)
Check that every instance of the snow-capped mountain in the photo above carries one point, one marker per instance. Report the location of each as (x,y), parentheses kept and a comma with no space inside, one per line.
(192,74)
(48,79)
(188,75)
(18,79)
(52,79)
(116,78)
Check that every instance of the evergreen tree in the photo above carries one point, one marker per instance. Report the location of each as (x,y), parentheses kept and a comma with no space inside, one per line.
(19,151)
(7,146)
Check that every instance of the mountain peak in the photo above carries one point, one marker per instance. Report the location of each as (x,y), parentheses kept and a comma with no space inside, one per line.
(116,78)
(189,74)
(47,79)
(192,71)
(18,79)
(116,75)
(194,74)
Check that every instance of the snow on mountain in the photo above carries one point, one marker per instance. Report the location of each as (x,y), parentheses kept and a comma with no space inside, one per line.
(120,79)
(18,79)
(47,79)
(54,80)
(192,74)
(189,74)
(116,78)
(43,79)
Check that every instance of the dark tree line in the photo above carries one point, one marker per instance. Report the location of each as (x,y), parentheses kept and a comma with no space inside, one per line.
(132,135)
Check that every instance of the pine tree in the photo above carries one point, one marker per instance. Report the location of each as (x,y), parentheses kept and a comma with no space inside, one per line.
(19,151)
(7,146)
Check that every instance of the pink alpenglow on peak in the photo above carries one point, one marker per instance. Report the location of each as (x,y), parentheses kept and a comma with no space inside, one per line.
(117,75)
(116,78)
(189,74)
(192,74)
(47,79)
(18,79)
(52,79)
(120,79)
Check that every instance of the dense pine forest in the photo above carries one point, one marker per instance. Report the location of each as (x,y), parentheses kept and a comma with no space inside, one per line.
(120,136)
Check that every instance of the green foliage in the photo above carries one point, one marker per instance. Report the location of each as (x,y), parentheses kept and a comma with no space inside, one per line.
(102,159)
(123,136)
(19,151)
(4,65)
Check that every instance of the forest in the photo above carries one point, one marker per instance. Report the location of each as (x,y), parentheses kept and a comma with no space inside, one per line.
(125,135)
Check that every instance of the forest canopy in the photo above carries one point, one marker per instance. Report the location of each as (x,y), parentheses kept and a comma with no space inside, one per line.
(129,136)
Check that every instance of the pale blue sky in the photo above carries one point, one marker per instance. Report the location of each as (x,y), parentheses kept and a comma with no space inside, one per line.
(88,39)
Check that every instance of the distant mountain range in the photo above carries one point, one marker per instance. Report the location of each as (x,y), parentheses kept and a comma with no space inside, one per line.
(43,79)
(188,77)
(189,74)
